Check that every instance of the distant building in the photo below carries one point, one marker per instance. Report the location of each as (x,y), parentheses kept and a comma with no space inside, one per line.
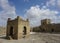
(47,26)
(17,28)
(45,21)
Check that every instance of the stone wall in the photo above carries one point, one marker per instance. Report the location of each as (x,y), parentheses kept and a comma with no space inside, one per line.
(15,28)
(47,26)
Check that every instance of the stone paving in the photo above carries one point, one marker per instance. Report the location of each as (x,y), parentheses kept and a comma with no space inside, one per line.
(34,38)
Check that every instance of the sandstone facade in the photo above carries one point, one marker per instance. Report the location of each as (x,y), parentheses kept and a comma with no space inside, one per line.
(47,26)
(17,28)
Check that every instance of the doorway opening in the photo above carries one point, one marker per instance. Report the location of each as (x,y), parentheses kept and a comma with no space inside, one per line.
(25,30)
(11,31)
(52,30)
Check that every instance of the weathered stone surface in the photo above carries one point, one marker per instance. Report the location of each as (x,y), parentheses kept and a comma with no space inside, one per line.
(17,28)
(47,26)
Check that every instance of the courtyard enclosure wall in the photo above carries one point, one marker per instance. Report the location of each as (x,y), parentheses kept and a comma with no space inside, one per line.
(47,26)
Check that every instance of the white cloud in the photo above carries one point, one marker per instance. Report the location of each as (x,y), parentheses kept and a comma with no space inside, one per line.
(58,3)
(8,11)
(35,14)
(53,3)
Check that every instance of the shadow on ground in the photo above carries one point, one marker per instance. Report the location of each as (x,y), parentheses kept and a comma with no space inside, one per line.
(4,37)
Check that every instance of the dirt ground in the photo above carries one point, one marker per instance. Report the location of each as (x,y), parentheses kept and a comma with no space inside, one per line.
(34,38)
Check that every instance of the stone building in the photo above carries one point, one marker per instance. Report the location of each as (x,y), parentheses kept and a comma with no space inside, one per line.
(17,28)
(47,26)
(45,21)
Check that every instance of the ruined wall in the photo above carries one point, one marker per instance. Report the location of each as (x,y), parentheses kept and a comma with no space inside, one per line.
(51,28)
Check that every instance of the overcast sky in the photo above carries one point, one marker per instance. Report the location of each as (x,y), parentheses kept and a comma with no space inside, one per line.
(34,10)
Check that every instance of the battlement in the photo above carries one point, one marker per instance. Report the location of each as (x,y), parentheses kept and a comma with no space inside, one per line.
(18,18)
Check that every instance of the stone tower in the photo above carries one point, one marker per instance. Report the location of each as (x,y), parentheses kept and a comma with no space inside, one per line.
(45,21)
(17,28)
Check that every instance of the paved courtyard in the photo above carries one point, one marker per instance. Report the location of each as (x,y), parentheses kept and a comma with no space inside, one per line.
(34,38)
